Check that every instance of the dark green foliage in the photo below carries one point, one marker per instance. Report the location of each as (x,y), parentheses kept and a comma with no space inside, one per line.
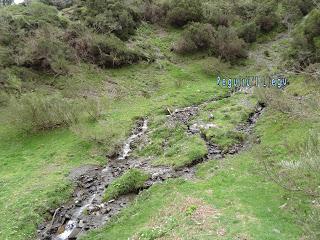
(249,32)
(246,10)
(305,48)
(228,45)
(129,182)
(223,43)
(112,16)
(60,4)
(221,20)
(45,50)
(9,82)
(154,11)
(267,22)
(5,57)
(111,52)
(197,36)
(183,11)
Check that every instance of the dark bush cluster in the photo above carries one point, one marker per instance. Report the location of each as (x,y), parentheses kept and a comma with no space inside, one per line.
(305,47)
(197,36)
(222,42)
(249,32)
(36,36)
(182,12)
(112,16)
(228,45)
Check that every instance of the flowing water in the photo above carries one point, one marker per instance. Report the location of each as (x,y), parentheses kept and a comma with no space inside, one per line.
(87,210)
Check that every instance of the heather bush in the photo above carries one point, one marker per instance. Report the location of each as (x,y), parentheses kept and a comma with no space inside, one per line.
(9,82)
(182,12)
(154,11)
(112,16)
(111,52)
(197,36)
(45,51)
(305,47)
(228,45)
(248,32)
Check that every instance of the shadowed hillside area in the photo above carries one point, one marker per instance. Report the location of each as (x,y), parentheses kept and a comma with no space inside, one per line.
(160,119)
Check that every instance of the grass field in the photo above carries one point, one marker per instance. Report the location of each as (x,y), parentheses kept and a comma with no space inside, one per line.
(230,199)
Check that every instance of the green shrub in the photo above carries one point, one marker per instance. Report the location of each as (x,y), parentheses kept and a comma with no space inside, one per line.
(60,4)
(35,112)
(154,11)
(248,32)
(228,45)
(267,22)
(221,20)
(129,182)
(45,51)
(305,47)
(23,18)
(182,12)
(111,52)
(9,82)
(5,57)
(112,16)
(246,10)
(197,36)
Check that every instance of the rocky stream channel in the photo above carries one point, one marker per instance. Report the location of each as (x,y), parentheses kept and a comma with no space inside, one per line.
(86,210)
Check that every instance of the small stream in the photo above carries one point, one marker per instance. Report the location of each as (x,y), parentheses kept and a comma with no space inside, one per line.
(87,210)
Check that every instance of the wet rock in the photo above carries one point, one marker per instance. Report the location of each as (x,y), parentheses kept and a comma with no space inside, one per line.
(73,235)
(81,223)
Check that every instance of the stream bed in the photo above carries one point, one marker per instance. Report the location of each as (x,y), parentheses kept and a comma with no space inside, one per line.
(86,210)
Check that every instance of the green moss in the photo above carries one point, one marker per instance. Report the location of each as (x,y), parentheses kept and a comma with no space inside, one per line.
(129,182)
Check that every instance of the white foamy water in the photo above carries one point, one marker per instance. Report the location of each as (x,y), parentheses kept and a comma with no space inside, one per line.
(72,224)
(127,144)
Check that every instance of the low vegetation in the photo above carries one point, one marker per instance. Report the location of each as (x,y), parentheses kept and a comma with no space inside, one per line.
(74,79)
(130,182)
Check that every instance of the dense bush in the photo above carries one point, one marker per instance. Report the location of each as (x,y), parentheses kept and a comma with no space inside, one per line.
(9,82)
(19,19)
(6,58)
(112,16)
(197,36)
(60,4)
(223,43)
(228,45)
(305,47)
(183,11)
(267,22)
(154,11)
(248,32)
(45,50)
(111,52)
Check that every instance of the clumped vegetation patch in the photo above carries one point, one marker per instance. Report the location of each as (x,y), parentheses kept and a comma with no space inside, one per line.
(130,182)
(170,145)
(223,42)
(305,47)
(197,36)
(182,12)
(35,112)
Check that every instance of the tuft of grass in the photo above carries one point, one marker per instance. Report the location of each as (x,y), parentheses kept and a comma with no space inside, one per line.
(130,181)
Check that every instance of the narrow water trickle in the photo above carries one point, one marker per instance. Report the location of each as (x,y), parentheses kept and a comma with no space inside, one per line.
(87,210)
